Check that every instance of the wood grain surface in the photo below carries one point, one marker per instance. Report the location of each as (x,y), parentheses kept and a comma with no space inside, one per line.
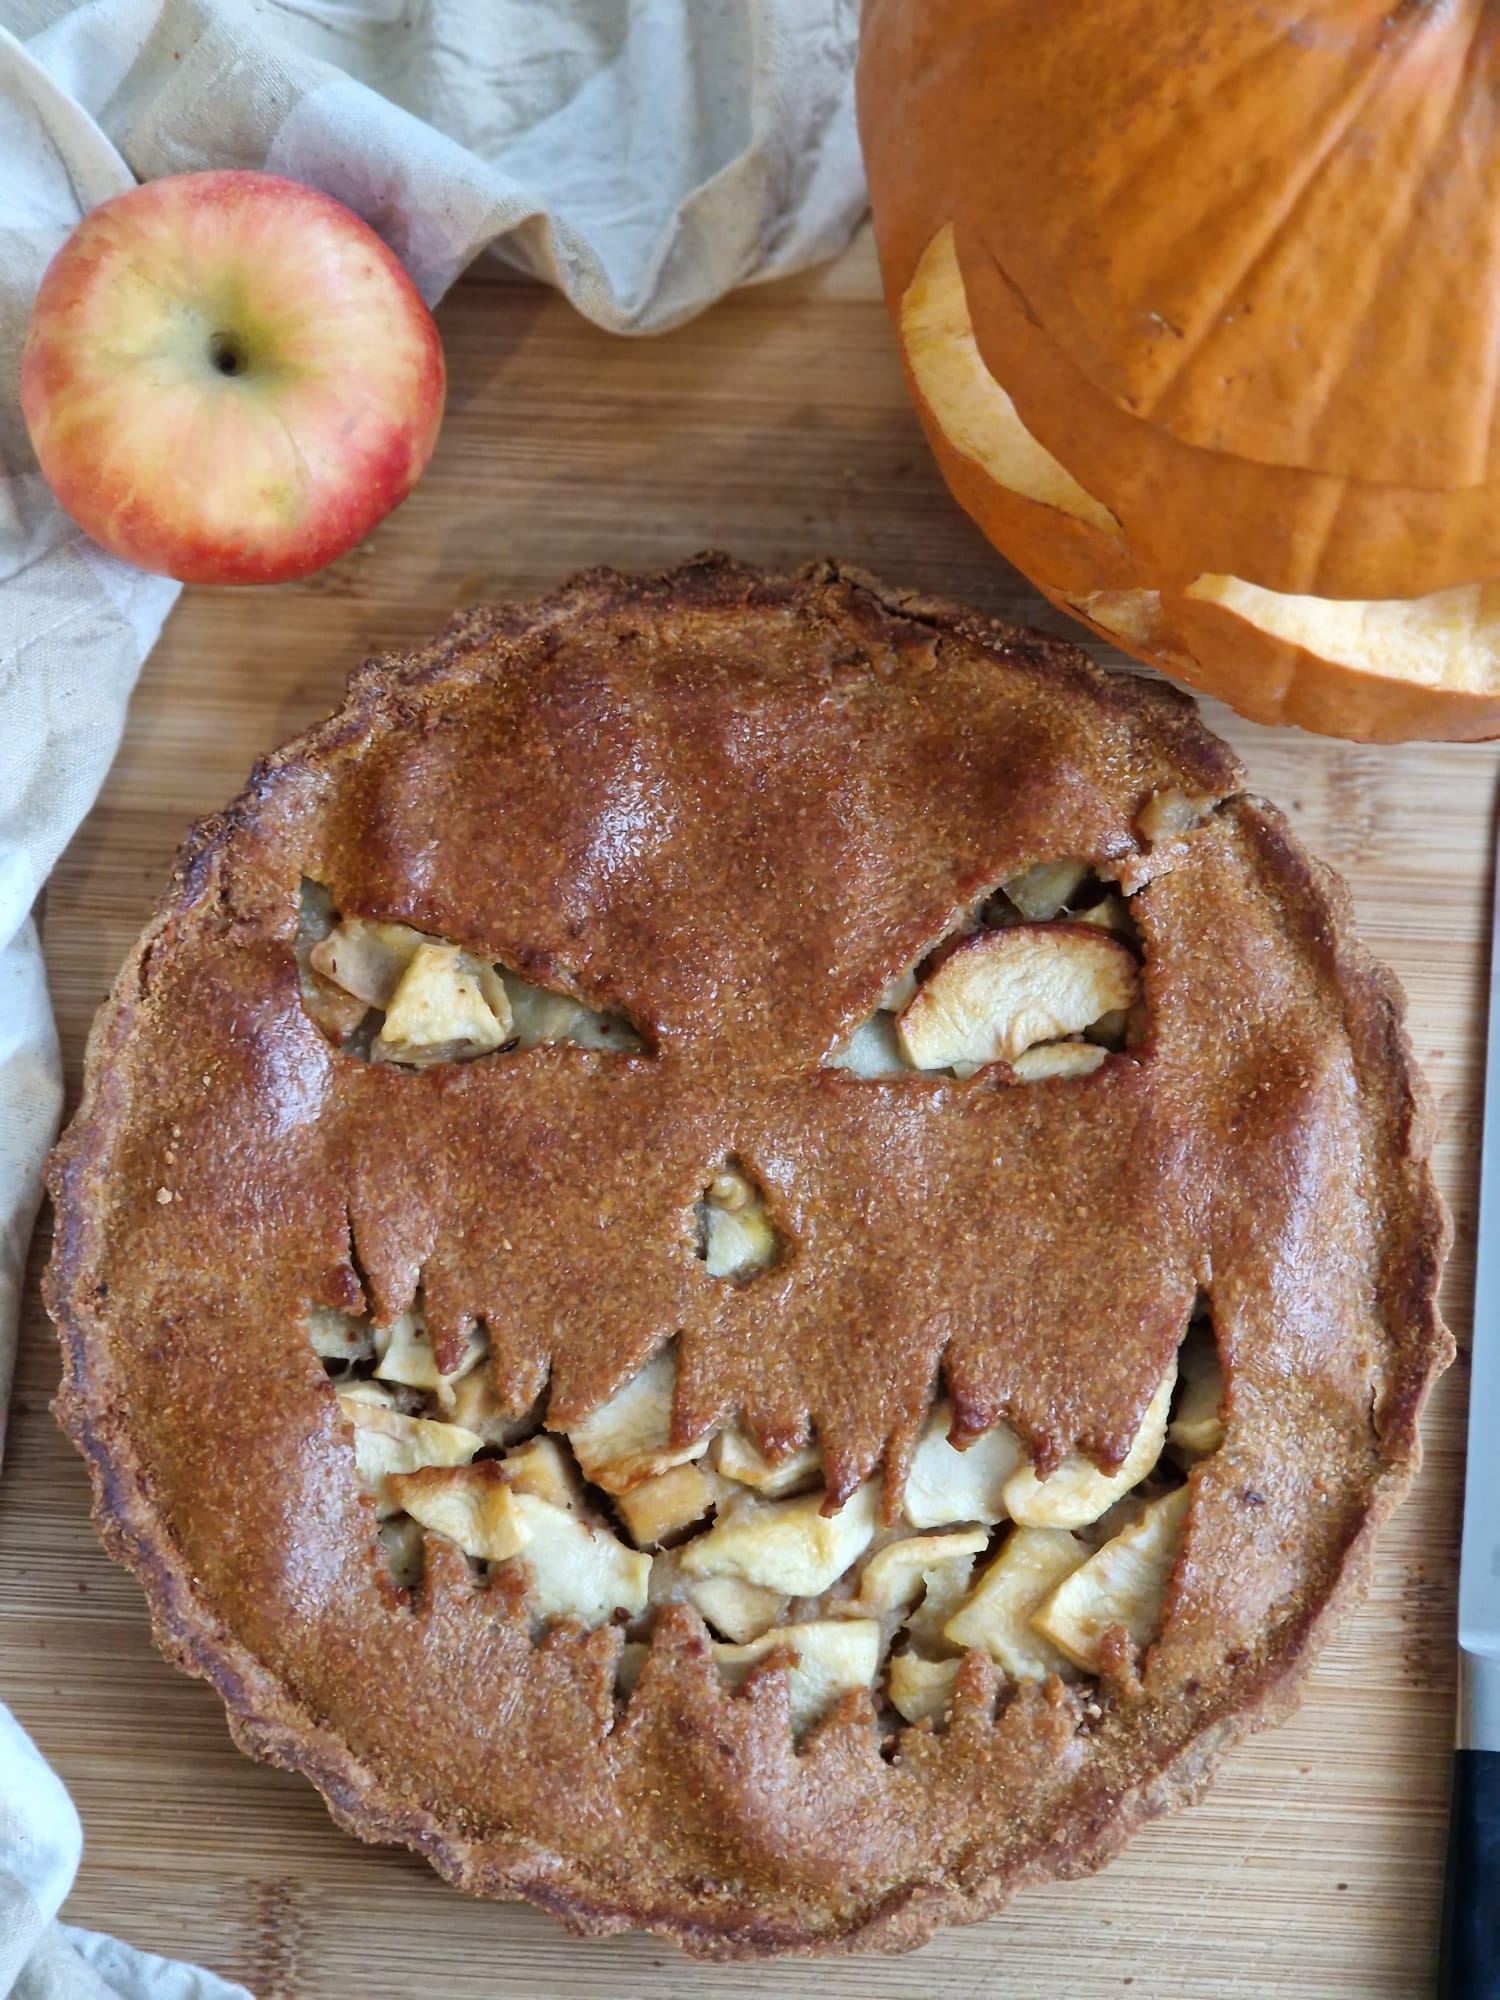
(775,427)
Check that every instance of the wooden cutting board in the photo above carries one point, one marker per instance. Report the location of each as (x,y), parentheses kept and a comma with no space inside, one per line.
(775,427)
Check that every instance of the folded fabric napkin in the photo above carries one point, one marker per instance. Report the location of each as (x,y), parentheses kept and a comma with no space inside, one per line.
(644,155)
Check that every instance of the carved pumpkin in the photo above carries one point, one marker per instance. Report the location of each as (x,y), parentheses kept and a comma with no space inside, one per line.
(1196,307)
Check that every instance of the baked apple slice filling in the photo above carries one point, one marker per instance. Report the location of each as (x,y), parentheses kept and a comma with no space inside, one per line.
(392,994)
(1043,978)
(736,1236)
(608,1521)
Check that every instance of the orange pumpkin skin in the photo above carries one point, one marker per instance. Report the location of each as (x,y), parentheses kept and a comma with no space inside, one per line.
(1053,143)
(1186,512)
(1259,228)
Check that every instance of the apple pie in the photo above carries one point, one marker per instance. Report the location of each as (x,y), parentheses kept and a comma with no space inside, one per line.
(750,1257)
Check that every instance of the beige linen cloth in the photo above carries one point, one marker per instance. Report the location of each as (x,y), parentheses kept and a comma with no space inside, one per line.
(644,155)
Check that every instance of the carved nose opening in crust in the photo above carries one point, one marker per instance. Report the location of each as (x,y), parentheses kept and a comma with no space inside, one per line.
(737,1238)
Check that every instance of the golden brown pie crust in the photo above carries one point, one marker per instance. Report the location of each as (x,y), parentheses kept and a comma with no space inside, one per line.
(734,807)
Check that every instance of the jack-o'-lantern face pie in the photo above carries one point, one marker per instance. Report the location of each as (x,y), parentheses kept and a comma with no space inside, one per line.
(749,1257)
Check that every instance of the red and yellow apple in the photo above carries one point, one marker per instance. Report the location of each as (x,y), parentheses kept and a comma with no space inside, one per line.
(229,378)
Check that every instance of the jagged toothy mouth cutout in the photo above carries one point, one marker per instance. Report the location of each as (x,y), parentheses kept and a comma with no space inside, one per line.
(610,1520)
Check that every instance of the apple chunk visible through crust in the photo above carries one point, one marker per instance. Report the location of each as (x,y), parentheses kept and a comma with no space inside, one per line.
(1078,1492)
(629,1438)
(1002,992)
(1123,1585)
(1037,1002)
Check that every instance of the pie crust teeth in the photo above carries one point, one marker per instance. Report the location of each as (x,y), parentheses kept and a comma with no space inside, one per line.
(749,1256)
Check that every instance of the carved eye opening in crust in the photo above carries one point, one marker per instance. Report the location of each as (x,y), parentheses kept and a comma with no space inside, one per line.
(388,993)
(1042,978)
(611,1520)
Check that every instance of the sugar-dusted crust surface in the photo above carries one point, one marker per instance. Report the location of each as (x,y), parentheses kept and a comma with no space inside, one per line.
(732,808)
